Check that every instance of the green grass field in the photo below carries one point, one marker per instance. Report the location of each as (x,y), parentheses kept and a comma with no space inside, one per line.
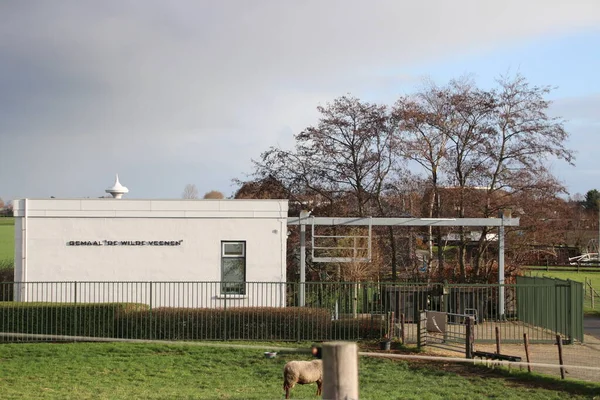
(157,371)
(572,275)
(7,238)
(581,276)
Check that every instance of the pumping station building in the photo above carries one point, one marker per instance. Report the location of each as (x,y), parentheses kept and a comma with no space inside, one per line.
(219,245)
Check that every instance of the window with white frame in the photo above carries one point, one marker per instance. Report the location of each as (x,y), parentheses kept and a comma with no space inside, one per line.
(233,267)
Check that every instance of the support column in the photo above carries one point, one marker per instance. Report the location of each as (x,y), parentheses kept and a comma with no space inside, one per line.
(501,298)
(301,289)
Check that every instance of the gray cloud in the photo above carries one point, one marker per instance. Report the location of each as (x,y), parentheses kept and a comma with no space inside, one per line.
(187,91)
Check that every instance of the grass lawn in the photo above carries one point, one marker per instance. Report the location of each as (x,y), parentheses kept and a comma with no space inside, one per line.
(165,371)
(581,276)
(572,275)
(7,238)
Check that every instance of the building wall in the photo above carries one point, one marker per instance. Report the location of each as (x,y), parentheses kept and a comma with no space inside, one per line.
(177,240)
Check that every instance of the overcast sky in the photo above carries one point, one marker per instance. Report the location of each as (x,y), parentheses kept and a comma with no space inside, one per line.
(167,93)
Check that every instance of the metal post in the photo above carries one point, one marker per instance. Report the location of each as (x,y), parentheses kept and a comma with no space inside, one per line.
(501,267)
(469,337)
(303,215)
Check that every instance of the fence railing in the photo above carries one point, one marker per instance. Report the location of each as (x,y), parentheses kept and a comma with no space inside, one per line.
(263,311)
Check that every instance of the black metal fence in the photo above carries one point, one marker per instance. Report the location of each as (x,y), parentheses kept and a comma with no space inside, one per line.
(267,311)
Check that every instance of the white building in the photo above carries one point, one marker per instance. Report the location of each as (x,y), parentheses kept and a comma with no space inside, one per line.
(161,250)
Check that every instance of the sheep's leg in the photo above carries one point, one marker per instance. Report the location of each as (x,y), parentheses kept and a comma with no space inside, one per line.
(319,386)
(287,388)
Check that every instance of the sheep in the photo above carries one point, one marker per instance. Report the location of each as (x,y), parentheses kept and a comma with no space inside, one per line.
(302,372)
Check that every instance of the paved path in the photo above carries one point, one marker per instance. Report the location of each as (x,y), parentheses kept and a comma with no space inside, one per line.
(584,354)
(591,326)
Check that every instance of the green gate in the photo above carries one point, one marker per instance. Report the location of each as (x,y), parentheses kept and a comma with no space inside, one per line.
(554,304)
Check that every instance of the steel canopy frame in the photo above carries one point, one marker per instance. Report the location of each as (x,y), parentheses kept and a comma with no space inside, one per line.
(305,219)
(334,221)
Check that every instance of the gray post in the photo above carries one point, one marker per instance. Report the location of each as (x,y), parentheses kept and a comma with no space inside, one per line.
(501,267)
(340,370)
(469,336)
(303,215)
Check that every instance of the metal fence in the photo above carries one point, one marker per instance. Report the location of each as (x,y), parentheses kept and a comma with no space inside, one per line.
(555,304)
(266,311)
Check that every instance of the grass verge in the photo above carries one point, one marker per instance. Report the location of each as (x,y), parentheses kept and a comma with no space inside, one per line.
(160,371)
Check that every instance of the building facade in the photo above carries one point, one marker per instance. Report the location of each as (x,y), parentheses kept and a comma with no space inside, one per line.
(156,249)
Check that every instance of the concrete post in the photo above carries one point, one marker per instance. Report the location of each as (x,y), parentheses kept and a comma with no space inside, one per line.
(340,370)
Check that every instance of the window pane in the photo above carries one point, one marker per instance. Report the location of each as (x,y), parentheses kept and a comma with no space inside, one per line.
(233,276)
(233,269)
(232,288)
(233,249)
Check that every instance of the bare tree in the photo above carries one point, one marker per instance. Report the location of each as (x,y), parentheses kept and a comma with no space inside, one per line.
(346,155)
(214,194)
(190,191)
(346,160)
(468,131)
(479,151)
(488,147)
(523,138)
(422,124)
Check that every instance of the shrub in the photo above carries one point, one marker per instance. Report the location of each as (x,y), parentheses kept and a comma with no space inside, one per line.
(360,328)
(138,321)
(95,320)
(256,323)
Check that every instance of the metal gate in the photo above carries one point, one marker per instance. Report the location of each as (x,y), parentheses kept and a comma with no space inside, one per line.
(554,304)
(443,330)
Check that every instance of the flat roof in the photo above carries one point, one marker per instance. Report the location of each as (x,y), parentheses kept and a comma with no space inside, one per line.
(140,208)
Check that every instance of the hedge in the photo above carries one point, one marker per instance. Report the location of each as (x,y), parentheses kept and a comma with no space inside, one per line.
(95,320)
(252,323)
(7,276)
(138,321)
(361,328)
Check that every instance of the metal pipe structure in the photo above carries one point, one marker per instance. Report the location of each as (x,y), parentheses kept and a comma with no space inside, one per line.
(501,304)
(301,290)
(501,222)
(333,221)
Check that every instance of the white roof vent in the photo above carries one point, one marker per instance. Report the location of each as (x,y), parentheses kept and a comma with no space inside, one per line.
(117,190)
